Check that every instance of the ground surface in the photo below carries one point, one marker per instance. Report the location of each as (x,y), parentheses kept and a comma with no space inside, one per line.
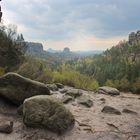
(91,123)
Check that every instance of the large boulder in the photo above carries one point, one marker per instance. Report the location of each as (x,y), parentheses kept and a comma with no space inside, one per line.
(46,111)
(17,88)
(108,90)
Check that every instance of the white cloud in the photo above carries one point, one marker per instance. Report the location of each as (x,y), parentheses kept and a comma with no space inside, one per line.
(73,22)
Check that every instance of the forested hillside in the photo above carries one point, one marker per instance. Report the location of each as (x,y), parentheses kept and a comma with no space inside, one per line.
(118,67)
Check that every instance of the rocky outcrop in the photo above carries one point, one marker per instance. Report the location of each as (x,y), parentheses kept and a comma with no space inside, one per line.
(45,111)
(134,36)
(108,90)
(16,88)
(66,50)
(111,110)
(34,48)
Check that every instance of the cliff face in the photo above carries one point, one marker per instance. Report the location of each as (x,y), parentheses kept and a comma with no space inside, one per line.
(34,48)
(134,36)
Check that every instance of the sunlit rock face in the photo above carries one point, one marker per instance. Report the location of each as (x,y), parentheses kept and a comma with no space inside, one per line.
(34,47)
(134,36)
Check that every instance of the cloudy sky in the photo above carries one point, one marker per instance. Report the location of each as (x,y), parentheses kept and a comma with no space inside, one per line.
(78,24)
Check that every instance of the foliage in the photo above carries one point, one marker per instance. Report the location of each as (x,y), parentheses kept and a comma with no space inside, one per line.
(36,69)
(2,71)
(136,86)
(117,67)
(68,76)
(109,83)
(11,53)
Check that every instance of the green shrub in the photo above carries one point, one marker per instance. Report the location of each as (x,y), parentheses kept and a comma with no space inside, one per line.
(2,71)
(124,85)
(73,78)
(109,83)
(136,86)
(36,69)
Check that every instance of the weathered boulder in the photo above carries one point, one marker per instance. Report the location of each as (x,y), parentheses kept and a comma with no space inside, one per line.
(108,90)
(17,88)
(66,99)
(52,87)
(111,110)
(85,100)
(74,92)
(45,111)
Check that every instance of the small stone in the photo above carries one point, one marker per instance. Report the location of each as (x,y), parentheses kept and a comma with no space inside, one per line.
(63,90)
(52,87)
(6,127)
(66,99)
(110,110)
(85,100)
(102,99)
(129,111)
(74,92)
(59,85)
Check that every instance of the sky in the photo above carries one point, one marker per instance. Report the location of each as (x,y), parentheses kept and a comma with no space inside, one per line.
(77,24)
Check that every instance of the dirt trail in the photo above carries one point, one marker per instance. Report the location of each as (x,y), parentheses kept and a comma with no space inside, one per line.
(91,123)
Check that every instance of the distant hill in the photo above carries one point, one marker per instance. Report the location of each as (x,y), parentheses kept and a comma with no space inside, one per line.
(50,50)
(56,56)
(78,53)
(88,53)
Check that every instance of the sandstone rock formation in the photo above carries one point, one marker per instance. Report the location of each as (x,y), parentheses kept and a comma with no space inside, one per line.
(34,48)
(134,36)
